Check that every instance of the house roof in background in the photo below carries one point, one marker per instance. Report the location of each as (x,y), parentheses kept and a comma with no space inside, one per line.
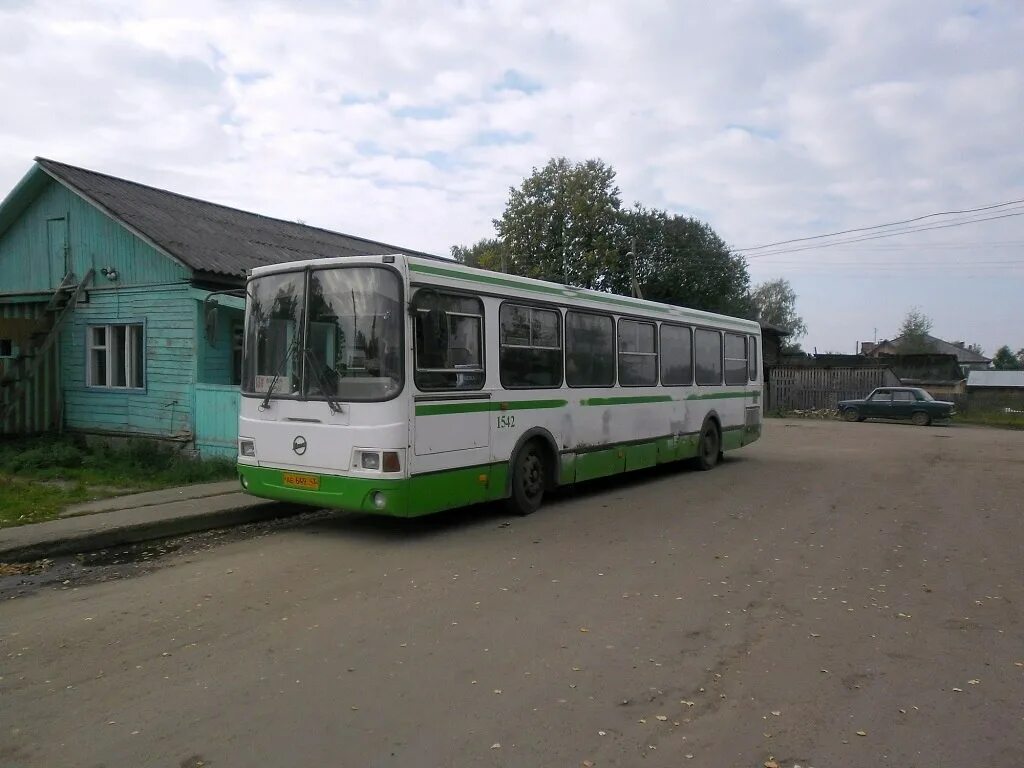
(205,236)
(995,379)
(963,355)
(778,330)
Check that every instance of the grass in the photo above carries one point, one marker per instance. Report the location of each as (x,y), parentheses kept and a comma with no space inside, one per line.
(992,419)
(40,477)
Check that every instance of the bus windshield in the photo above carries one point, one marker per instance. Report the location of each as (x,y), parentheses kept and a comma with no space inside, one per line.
(324,334)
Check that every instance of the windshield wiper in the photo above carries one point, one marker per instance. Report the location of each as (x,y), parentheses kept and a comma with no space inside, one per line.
(312,361)
(280,369)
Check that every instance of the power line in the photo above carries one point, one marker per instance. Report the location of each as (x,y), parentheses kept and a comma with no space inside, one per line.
(879,236)
(882,226)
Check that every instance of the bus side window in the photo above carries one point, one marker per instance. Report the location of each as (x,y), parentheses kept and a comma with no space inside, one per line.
(752,359)
(676,356)
(449,334)
(530,353)
(735,359)
(708,345)
(589,350)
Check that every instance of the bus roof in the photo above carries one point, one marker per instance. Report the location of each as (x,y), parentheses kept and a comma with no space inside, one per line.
(444,271)
(421,270)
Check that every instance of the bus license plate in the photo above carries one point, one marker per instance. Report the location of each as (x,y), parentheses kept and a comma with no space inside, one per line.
(308,482)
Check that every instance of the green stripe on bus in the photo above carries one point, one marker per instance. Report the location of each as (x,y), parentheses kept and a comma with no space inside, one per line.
(442,409)
(627,400)
(721,395)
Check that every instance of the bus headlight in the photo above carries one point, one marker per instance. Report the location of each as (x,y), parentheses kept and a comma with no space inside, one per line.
(369,460)
(378,500)
(247,448)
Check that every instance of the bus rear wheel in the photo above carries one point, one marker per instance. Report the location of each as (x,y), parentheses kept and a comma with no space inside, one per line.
(528,480)
(709,450)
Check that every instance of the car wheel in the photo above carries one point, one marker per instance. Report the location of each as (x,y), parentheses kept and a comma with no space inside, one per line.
(528,480)
(851,414)
(709,450)
(921,419)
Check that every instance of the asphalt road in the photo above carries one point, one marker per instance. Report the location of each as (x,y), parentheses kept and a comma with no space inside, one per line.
(835,595)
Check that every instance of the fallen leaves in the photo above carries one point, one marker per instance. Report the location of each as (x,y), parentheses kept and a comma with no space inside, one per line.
(862,733)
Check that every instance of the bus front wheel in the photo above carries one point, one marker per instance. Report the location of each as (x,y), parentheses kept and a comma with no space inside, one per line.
(528,480)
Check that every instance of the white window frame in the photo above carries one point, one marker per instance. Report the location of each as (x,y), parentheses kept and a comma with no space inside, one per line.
(128,356)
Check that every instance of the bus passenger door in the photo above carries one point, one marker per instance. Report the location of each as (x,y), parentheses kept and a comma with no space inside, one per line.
(451,425)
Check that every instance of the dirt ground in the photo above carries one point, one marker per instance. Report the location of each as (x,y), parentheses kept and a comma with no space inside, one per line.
(835,595)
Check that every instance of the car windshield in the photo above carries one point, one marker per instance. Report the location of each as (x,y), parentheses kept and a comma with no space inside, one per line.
(333,334)
(922,395)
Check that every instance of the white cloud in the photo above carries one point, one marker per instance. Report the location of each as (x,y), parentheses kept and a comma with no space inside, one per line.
(409,121)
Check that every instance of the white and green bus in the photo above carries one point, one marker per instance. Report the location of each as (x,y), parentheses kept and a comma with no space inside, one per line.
(405,386)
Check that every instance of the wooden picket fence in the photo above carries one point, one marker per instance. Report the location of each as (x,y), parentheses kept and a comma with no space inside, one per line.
(820,389)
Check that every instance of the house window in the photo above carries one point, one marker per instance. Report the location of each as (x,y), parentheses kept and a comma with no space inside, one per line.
(237,340)
(116,356)
(6,348)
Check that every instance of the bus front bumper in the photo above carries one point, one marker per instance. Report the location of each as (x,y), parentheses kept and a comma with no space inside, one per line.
(355,494)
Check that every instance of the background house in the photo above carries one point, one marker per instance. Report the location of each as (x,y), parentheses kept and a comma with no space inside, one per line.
(102,290)
(968,359)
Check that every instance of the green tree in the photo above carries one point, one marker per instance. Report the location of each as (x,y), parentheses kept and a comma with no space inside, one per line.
(775,302)
(914,332)
(562,223)
(1005,360)
(678,260)
(489,253)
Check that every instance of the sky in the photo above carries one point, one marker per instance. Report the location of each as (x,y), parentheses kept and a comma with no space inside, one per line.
(408,122)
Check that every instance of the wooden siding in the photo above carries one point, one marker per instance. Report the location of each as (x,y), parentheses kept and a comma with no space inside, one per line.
(164,407)
(33,257)
(37,409)
(216,409)
(808,389)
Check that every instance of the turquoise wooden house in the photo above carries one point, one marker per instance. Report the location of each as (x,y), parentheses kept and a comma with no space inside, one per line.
(113,319)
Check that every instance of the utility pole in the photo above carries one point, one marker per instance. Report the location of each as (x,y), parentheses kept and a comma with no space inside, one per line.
(634,284)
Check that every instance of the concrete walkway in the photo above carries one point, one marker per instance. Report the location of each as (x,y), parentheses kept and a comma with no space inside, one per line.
(151,498)
(139,517)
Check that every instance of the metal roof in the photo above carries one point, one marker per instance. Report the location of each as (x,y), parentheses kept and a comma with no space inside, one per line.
(208,237)
(995,379)
(963,355)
